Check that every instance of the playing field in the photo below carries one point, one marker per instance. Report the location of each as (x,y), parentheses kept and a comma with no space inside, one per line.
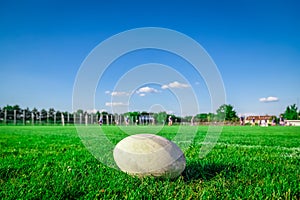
(50,162)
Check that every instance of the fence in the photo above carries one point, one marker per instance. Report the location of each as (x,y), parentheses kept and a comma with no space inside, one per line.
(26,117)
(23,117)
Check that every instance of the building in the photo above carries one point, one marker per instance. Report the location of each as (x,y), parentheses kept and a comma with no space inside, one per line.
(260,119)
(293,122)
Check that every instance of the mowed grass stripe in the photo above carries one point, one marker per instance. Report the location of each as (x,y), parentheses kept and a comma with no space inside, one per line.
(246,146)
(50,162)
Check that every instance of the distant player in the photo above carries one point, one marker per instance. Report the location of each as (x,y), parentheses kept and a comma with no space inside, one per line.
(192,121)
(170,122)
(273,122)
(253,121)
(242,123)
(281,120)
(126,121)
(100,121)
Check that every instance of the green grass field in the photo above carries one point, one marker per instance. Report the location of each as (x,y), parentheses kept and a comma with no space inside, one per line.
(50,162)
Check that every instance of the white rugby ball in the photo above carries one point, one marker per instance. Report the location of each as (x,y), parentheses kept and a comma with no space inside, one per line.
(149,155)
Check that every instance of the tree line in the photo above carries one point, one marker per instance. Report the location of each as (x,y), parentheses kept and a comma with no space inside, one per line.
(225,113)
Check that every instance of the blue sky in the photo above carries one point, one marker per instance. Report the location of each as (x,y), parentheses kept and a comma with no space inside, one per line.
(255,45)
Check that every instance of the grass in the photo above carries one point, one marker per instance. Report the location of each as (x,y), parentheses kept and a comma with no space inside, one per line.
(50,162)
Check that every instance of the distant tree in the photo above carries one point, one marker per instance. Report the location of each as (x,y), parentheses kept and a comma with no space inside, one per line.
(8,108)
(135,116)
(291,112)
(211,117)
(44,112)
(202,117)
(1,114)
(187,118)
(176,119)
(43,115)
(17,108)
(35,110)
(11,111)
(51,113)
(142,113)
(35,113)
(27,114)
(160,117)
(227,113)
(79,111)
(104,113)
(58,116)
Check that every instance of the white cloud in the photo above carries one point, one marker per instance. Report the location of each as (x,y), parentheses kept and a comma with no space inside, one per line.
(164,87)
(107,92)
(142,94)
(268,99)
(147,90)
(116,93)
(175,84)
(115,104)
